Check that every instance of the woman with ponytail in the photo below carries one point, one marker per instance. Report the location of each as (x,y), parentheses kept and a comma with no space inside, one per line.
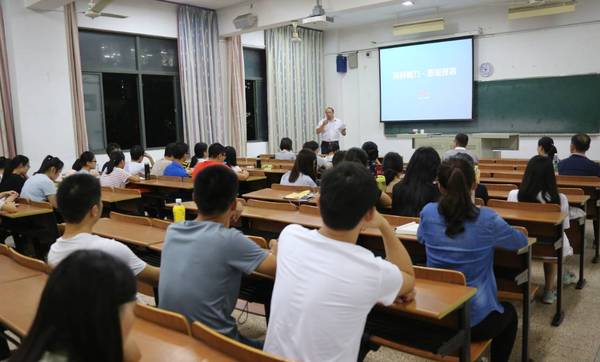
(546,148)
(41,186)
(15,174)
(86,163)
(393,164)
(457,235)
(113,174)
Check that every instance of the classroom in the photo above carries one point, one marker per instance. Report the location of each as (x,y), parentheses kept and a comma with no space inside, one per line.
(299,180)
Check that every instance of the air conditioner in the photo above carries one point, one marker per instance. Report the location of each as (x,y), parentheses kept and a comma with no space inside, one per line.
(541,10)
(422,26)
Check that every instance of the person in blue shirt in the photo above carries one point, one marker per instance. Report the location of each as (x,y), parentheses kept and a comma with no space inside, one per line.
(578,164)
(459,236)
(181,153)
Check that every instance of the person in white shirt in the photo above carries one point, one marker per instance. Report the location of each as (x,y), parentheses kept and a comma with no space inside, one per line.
(136,166)
(331,130)
(304,172)
(461,141)
(40,187)
(285,150)
(80,204)
(325,284)
(113,175)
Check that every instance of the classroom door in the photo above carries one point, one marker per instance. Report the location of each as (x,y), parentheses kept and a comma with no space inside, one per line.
(94,114)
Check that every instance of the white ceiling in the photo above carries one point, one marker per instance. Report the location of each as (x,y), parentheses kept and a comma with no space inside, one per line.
(210,4)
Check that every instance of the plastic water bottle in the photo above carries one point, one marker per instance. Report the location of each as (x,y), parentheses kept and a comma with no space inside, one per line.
(178,211)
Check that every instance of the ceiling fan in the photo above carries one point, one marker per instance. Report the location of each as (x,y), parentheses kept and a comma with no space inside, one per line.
(95,10)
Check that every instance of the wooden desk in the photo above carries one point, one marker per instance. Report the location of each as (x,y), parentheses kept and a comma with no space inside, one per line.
(20,299)
(26,210)
(276,196)
(11,270)
(114,196)
(129,233)
(574,200)
(32,227)
(166,184)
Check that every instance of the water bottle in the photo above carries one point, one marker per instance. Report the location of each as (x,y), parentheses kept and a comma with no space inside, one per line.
(380,183)
(178,211)
(146,171)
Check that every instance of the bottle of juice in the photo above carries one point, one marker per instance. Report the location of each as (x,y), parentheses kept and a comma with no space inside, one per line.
(178,211)
(380,182)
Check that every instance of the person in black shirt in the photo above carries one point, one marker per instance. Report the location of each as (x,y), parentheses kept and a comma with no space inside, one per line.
(15,174)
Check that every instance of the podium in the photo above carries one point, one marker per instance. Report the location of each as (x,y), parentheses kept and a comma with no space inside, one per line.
(483,145)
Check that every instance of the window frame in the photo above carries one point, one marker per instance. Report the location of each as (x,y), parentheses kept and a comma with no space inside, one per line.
(259,130)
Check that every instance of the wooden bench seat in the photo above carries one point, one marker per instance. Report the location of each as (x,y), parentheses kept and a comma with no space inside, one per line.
(477,350)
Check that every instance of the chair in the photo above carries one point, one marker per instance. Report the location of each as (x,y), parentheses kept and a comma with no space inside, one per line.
(28,262)
(260,241)
(311,210)
(570,191)
(140,220)
(510,176)
(496,167)
(500,187)
(271,205)
(231,347)
(531,206)
(164,318)
(512,161)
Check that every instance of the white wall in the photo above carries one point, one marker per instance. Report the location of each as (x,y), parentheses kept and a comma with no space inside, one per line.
(558,47)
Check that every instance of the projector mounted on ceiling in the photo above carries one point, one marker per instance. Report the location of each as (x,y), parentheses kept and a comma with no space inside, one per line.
(318,16)
(245,21)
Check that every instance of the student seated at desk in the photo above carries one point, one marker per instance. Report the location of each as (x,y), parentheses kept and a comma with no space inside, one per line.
(41,186)
(110,148)
(80,204)
(285,150)
(314,146)
(200,154)
(578,164)
(539,186)
(15,174)
(461,141)
(418,187)
(338,158)
(231,162)
(304,172)
(136,166)
(85,313)
(334,148)
(113,175)
(546,148)
(357,155)
(159,166)
(216,156)
(7,201)
(393,164)
(458,235)
(481,191)
(372,157)
(326,285)
(203,260)
(86,163)
(181,153)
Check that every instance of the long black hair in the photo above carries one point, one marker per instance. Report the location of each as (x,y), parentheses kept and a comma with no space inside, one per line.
(49,162)
(18,160)
(416,188)
(115,158)
(84,158)
(305,163)
(79,311)
(547,144)
(539,178)
(456,176)
(230,156)
(200,150)
(393,164)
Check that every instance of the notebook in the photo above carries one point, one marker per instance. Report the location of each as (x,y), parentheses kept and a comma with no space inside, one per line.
(299,196)
(407,229)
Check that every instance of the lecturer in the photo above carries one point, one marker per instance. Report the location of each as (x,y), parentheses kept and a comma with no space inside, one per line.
(331,129)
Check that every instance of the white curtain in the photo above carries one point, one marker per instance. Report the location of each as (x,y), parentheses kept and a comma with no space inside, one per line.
(237,95)
(294,85)
(200,72)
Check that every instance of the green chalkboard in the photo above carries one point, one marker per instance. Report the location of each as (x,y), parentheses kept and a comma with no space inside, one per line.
(534,105)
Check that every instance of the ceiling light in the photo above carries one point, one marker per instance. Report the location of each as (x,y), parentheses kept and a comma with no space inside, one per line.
(423,26)
(408,3)
(542,10)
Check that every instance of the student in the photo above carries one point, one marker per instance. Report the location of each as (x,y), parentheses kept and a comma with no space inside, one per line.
(314,146)
(418,187)
(333,150)
(7,201)
(136,165)
(203,260)
(159,166)
(110,148)
(41,186)
(458,235)
(285,150)
(539,186)
(79,202)
(359,156)
(85,313)
(325,284)
(3,163)
(231,162)
(461,141)
(113,175)
(578,164)
(304,172)
(373,157)
(200,154)
(181,153)
(481,191)
(216,156)
(86,163)
(393,164)
(546,148)
(15,174)
(338,158)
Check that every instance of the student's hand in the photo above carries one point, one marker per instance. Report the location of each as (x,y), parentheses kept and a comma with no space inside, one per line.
(273,247)
(10,207)
(12,196)
(148,156)
(378,221)
(406,298)
(235,216)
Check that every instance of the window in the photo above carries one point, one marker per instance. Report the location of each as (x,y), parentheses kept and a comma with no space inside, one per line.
(131,90)
(256,94)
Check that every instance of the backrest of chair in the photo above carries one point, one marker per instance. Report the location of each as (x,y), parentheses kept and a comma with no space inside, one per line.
(485,174)
(310,210)
(160,224)
(140,220)
(271,205)
(260,241)
(530,206)
(508,176)
(496,167)
(440,275)
(28,262)
(575,179)
(266,156)
(292,188)
(479,202)
(165,318)
(521,167)
(500,187)
(570,191)
(127,191)
(231,347)
(512,161)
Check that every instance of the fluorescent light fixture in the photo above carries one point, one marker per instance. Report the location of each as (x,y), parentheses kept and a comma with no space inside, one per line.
(542,10)
(408,3)
(422,26)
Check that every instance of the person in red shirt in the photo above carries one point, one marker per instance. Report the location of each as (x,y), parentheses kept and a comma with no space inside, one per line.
(216,156)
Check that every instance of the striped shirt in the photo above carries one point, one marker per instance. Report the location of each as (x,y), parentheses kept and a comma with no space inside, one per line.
(117,178)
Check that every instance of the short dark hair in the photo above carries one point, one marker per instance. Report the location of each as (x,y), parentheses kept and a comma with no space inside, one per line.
(170,149)
(215,150)
(311,145)
(136,152)
(76,195)
(393,164)
(338,158)
(215,189)
(180,150)
(285,144)
(357,155)
(462,140)
(111,147)
(371,149)
(581,141)
(339,210)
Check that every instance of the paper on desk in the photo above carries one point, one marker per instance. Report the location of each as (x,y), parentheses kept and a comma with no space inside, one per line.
(303,195)
(407,229)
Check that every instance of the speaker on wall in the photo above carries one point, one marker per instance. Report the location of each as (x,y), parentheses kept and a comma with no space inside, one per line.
(341,63)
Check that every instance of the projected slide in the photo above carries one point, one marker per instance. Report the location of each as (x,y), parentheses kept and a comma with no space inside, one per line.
(427,81)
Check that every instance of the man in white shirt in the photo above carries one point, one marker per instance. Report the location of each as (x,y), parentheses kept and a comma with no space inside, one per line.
(79,203)
(331,130)
(461,141)
(136,166)
(325,284)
